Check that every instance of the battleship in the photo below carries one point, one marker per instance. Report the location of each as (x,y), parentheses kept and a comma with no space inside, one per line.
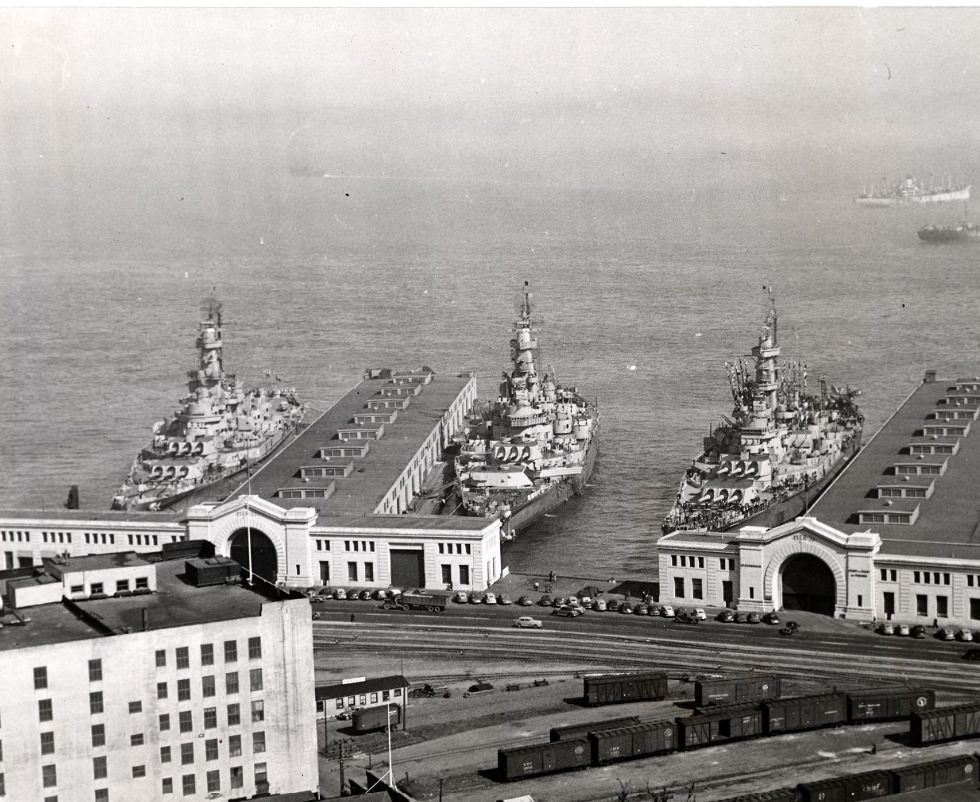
(782,447)
(531,449)
(910,191)
(221,430)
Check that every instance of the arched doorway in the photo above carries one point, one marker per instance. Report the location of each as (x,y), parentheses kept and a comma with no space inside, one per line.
(264,560)
(808,584)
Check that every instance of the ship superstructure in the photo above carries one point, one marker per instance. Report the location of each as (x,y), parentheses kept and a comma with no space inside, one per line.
(909,191)
(533,447)
(221,429)
(781,447)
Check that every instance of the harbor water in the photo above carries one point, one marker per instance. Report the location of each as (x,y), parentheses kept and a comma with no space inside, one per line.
(641,298)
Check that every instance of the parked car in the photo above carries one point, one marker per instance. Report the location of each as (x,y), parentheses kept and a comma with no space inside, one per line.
(460,597)
(666,611)
(685,617)
(545,601)
(971,654)
(641,609)
(364,595)
(792,625)
(700,613)
(476,598)
(726,616)
(567,611)
(770,618)
(599,605)
(559,601)
(626,607)
(379,594)
(318,598)
(612,605)
(740,617)
(886,628)
(490,598)
(918,631)
(504,599)
(902,629)
(946,634)
(964,635)
(754,618)
(526,622)
(525,601)
(392,592)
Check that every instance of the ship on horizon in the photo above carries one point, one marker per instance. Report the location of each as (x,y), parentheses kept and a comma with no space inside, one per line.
(531,449)
(909,192)
(221,430)
(778,452)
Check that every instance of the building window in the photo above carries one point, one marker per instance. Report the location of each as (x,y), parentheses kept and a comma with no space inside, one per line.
(700,562)
(231,651)
(258,710)
(255,648)
(183,657)
(97,587)
(751,592)
(211,749)
(210,718)
(385,695)
(186,753)
(234,715)
(164,754)
(136,707)
(255,679)
(237,776)
(447,574)
(188,784)
(942,606)
(884,574)
(261,778)
(679,587)
(258,742)
(49,776)
(916,576)
(352,572)
(183,690)
(894,575)
(921,604)
(231,682)
(164,722)
(207,685)
(101,795)
(122,585)
(47,743)
(161,658)
(161,690)
(95,671)
(369,572)
(214,781)
(143,582)
(139,771)
(234,745)
(44,710)
(186,720)
(99,768)
(207,654)
(98,735)
(696,591)
(168,785)
(40,678)
(136,739)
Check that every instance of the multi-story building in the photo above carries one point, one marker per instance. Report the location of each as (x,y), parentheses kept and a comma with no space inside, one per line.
(893,537)
(123,681)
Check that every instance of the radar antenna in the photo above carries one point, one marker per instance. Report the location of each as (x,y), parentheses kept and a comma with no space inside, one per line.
(211,307)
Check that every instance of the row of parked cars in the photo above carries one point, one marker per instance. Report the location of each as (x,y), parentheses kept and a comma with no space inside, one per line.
(919,631)
(319,595)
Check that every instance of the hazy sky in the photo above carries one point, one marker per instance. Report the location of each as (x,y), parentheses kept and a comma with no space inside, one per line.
(625,94)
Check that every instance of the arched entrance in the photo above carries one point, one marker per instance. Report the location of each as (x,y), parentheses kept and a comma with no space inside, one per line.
(808,584)
(264,560)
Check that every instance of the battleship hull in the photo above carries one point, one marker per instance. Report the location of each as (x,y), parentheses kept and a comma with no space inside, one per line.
(555,496)
(914,199)
(967,233)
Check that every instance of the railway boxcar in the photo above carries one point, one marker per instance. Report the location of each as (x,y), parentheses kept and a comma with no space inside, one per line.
(529,761)
(366,719)
(869,785)
(608,689)
(945,724)
(736,691)
(888,704)
(582,730)
(629,742)
(778,795)
(711,728)
(804,713)
(936,773)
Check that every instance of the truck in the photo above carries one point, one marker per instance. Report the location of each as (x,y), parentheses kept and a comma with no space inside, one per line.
(417,600)
(366,719)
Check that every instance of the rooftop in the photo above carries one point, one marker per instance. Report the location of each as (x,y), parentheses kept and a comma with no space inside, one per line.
(948,522)
(375,472)
(93,516)
(442,523)
(175,603)
(363,685)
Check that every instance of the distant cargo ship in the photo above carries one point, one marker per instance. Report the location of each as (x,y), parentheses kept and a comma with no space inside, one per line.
(966,232)
(220,430)
(531,449)
(782,447)
(910,191)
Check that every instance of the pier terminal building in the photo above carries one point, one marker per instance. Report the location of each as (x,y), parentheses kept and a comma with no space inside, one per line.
(336,506)
(894,537)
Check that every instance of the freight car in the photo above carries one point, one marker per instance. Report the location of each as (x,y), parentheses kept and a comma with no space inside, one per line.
(366,719)
(888,704)
(779,795)
(638,740)
(804,713)
(731,724)
(736,691)
(945,724)
(876,784)
(582,730)
(530,761)
(608,689)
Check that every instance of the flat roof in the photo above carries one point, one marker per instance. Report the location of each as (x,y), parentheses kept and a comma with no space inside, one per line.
(375,472)
(427,523)
(367,685)
(51,515)
(948,524)
(175,603)
(94,562)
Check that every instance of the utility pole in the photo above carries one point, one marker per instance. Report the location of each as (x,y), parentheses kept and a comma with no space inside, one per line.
(341,750)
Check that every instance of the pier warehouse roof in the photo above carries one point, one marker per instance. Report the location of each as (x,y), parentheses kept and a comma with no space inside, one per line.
(351,459)
(915,481)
